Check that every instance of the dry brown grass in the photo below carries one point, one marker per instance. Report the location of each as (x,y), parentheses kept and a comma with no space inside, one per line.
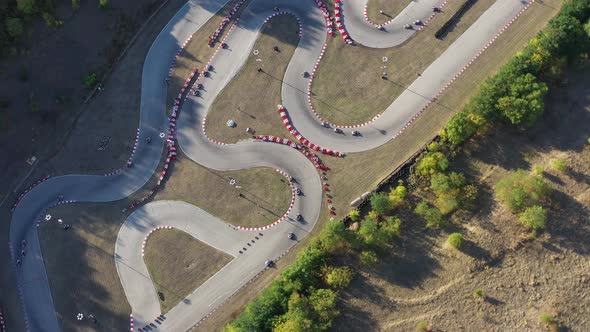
(177,275)
(266,193)
(196,54)
(349,74)
(251,98)
(390,8)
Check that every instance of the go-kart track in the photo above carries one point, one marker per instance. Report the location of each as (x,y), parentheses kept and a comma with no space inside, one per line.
(265,244)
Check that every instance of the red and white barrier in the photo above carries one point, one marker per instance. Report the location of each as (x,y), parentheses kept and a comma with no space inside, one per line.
(287,123)
(131,322)
(339,23)
(311,156)
(463,69)
(28,190)
(327,17)
(285,12)
(143,243)
(224,23)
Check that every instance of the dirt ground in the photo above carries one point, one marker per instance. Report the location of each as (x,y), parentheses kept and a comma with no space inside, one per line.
(424,279)
(176,276)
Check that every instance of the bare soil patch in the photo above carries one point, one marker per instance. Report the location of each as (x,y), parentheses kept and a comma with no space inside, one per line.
(522,278)
(179,264)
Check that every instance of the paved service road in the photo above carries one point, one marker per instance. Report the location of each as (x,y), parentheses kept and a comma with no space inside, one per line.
(32,278)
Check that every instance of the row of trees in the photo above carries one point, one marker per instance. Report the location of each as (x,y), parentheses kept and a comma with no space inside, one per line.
(304,297)
(515,94)
(15,15)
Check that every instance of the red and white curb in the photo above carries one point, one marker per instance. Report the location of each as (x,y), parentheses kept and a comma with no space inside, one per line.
(463,69)
(291,204)
(129,161)
(175,58)
(203,124)
(28,190)
(286,12)
(339,24)
(148,235)
(224,23)
(287,123)
(327,17)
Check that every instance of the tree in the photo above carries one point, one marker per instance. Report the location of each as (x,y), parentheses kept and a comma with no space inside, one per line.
(397,196)
(455,240)
(534,218)
(391,227)
(380,203)
(559,165)
(27,7)
(333,235)
(103,4)
(587,28)
(14,27)
(431,163)
(370,233)
(523,103)
(458,129)
(520,190)
(339,277)
(323,302)
(432,215)
(368,258)
(354,215)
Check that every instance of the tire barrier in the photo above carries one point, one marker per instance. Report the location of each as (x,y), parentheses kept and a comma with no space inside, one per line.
(284,216)
(2,324)
(287,123)
(339,24)
(327,17)
(170,141)
(310,155)
(198,80)
(432,100)
(213,38)
(26,191)
(435,10)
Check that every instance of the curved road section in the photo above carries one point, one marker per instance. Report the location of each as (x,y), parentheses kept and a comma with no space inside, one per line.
(272,243)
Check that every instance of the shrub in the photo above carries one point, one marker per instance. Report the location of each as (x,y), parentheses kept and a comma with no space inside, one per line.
(26,7)
(423,326)
(354,215)
(75,4)
(339,277)
(455,240)
(478,293)
(534,218)
(90,80)
(391,227)
(431,163)
(370,233)
(538,170)
(380,203)
(333,236)
(368,258)
(546,318)
(397,196)
(520,190)
(51,21)
(432,215)
(103,4)
(14,27)
(559,165)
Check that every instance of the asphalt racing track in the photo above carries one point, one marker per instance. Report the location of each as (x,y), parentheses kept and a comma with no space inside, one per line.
(267,244)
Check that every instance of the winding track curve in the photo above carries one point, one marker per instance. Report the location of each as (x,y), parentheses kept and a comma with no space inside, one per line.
(32,278)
